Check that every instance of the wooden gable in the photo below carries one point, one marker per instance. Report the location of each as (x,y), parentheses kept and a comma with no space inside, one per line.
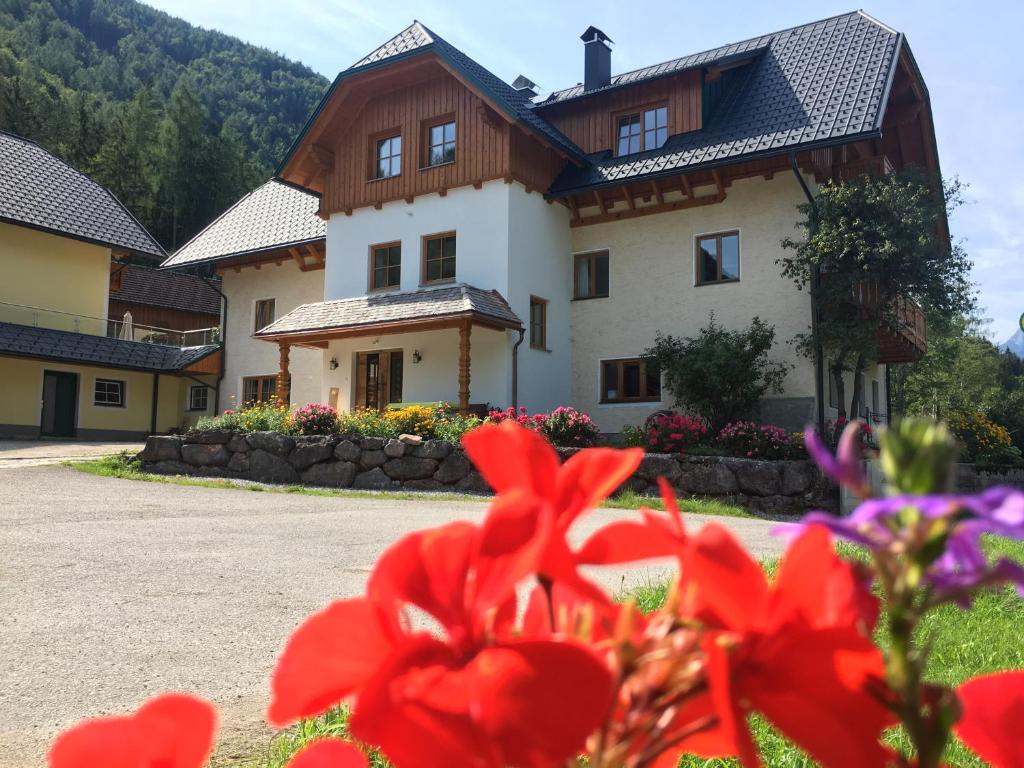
(337,155)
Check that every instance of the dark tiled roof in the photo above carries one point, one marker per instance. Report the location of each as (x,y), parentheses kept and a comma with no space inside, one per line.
(50,344)
(163,288)
(416,39)
(40,191)
(272,216)
(375,309)
(816,84)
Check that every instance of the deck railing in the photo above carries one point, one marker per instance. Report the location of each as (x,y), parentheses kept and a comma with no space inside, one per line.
(40,317)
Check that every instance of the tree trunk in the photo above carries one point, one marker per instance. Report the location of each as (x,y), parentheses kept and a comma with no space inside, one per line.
(858,395)
(837,378)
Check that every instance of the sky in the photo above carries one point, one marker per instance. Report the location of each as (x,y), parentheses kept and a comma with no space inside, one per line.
(968,53)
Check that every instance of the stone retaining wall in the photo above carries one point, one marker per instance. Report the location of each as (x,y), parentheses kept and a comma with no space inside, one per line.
(340,461)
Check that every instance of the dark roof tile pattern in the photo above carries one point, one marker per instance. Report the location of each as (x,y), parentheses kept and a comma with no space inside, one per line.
(374,309)
(812,85)
(69,347)
(163,288)
(271,216)
(39,190)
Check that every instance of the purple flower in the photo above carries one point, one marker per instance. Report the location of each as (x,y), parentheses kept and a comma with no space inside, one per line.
(845,467)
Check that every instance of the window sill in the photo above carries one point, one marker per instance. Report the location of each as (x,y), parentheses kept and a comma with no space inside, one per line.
(439,165)
(107,405)
(388,289)
(716,282)
(640,401)
(590,298)
(540,349)
(429,283)
(383,178)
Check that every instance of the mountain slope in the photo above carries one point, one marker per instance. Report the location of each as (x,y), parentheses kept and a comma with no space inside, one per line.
(121,91)
(1014,344)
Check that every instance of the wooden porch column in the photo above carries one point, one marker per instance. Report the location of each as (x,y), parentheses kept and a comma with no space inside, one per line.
(283,376)
(464,331)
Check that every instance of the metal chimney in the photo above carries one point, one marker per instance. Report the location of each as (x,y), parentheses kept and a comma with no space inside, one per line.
(597,59)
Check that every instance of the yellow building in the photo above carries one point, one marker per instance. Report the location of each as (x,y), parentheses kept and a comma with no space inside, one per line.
(68,369)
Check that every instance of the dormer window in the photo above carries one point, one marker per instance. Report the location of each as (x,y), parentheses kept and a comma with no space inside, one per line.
(388,156)
(642,131)
(441,143)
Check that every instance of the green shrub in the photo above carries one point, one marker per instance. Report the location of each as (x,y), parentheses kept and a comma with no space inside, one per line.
(430,422)
(750,440)
(257,417)
(632,436)
(979,435)
(570,428)
(316,419)
(1002,455)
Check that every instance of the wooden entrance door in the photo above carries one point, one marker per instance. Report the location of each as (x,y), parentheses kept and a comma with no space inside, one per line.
(60,393)
(379,378)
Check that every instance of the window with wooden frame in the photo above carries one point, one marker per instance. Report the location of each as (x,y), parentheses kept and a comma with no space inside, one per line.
(439,141)
(641,131)
(439,258)
(718,258)
(538,323)
(263,313)
(198,397)
(109,393)
(258,389)
(385,266)
(633,380)
(590,275)
(387,155)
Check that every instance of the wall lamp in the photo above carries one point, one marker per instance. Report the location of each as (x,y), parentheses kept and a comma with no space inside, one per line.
(416,356)
(333,363)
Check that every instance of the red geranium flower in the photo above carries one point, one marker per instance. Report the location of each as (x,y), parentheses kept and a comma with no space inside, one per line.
(328,753)
(173,730)
(993,709)
(798,651)
(475,696)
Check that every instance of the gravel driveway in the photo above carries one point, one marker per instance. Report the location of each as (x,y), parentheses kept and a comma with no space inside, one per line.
(112,590)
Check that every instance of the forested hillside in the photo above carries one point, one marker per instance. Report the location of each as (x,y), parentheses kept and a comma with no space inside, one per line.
(178,121)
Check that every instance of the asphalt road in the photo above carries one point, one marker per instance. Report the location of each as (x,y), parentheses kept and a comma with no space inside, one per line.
(113,590)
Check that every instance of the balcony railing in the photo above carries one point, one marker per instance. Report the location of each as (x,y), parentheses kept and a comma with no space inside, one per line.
(902,334)
(23,314)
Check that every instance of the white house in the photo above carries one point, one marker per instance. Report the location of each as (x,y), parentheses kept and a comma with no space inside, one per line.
(437,234)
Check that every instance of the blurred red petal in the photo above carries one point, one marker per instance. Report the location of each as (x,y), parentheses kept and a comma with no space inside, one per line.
(591,476)
(170,731)
(328,658)
(627,541)
(427,569)
(512,540)
(993,710)
(721,584)
(539,700)
(513,458)
(328,753)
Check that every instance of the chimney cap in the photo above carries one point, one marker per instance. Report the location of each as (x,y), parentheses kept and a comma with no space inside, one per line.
(593,33)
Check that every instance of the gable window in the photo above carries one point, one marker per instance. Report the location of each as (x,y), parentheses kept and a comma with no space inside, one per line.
(441,143)
(263,314)
(198,397)
(385,266)
(109,393)
(538,323)
(634,380)
(718,258)
(258,389)
(388,157)
(439,258)
(642,131)
(590,275)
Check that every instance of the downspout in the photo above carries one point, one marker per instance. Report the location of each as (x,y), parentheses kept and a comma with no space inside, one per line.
(819,361)
(223,345)
(515,369)
(156,400)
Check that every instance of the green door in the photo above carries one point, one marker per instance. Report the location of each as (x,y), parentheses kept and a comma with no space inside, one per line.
(60,392)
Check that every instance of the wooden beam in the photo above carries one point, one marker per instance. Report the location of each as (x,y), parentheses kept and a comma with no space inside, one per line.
(629,198)
(322,157)
(464,363)
(600,203)
(573,207)
(718,182)
(687,189)
(657,192)
(283,375)
(677,205)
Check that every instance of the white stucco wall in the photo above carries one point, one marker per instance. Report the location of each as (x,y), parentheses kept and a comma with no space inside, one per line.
(540,265)
(436,377)
(246,356)
(872,372)
(652,288)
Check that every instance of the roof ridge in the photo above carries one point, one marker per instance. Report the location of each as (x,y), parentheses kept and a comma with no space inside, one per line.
(695,54)
(880,23)
(134,218)
(223,213)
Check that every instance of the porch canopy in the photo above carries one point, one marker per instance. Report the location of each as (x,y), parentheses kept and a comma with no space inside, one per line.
(455,305)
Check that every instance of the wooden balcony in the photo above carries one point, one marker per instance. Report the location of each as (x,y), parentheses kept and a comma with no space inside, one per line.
(902,334)
(872,166)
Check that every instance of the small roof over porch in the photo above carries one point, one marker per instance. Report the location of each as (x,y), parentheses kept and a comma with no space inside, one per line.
(455,305)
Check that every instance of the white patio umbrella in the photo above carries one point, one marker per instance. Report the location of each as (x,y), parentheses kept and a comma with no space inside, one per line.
(127,333)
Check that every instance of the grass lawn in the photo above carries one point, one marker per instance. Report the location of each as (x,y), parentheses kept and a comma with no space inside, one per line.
(965,643)
(121,467)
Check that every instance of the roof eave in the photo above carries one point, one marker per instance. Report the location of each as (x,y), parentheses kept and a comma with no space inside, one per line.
(240,254)
(82,238)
